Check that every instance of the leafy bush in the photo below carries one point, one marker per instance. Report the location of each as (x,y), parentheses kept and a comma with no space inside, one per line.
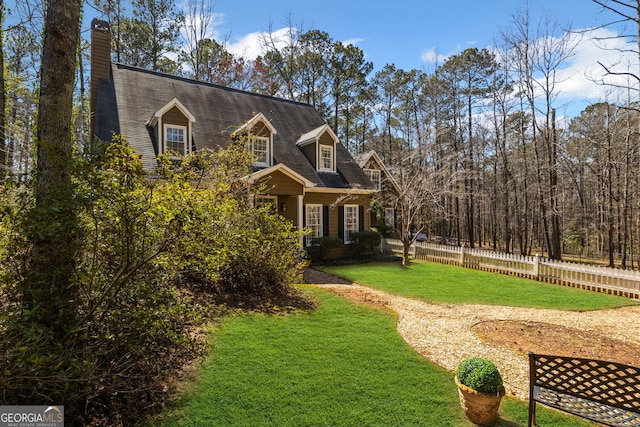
(261,262)
(132,328)
(320,247)
(247,256)
(480,375)
(365,241)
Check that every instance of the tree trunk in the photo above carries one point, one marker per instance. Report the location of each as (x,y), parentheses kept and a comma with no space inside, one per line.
(4,163)
(406,248)
(469,181)
(556,247)
(49,290)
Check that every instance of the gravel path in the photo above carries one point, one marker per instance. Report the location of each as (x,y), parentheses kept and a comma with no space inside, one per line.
(442,333)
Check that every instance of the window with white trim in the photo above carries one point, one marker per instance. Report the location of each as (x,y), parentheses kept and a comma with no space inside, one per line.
(375,176)
(313,220)
(270,201)
(326,162)
(259,147)
(175,139)
(351,224)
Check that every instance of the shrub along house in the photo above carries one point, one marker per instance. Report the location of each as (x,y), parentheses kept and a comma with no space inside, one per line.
(312,179)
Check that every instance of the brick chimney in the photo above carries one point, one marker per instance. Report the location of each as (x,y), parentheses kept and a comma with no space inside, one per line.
(100,62)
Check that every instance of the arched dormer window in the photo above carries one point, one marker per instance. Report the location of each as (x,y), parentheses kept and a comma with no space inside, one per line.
(259,133)
(173,128)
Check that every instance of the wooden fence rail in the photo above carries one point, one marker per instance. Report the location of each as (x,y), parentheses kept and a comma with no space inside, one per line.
(595,278)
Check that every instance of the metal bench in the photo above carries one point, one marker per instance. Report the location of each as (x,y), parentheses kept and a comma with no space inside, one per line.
(598,390)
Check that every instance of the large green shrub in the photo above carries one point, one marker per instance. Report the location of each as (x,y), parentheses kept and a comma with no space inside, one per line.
(365,241)
(480,375)
(246,255)
(320,247)
(133,327)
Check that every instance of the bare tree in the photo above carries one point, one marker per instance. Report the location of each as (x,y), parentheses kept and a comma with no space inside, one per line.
(537,58)
(198,28)
(625,12)
(281,57)
(416,193)
(19,30)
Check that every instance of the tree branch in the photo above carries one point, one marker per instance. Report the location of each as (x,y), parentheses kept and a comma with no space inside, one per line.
(615,73)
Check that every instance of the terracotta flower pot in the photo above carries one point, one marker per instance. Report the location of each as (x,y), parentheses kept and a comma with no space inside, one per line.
(480,408)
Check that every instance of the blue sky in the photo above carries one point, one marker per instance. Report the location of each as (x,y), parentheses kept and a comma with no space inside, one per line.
(399,32)
(412,33)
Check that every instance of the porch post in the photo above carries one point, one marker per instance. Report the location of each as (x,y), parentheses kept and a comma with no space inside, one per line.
(300,217)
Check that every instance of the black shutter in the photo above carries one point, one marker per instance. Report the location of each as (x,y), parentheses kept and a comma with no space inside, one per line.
(304,215)
(341,222)
(325,220)
(360,218)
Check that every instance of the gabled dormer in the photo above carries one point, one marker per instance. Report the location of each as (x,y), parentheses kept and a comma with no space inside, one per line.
(259,133)
(377,172)
(319,146)
(173,128)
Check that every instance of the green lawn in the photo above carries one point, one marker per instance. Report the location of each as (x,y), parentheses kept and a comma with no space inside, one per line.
(340,365)
(457,285)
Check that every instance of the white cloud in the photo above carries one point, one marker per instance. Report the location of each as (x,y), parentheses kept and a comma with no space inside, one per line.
(581,80)
(584,75)
(353,42)
(250,46)
(432,57)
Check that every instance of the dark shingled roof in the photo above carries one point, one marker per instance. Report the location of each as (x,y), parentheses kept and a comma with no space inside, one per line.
(129,100)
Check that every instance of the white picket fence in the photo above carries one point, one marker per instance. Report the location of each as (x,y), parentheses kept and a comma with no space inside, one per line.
(595,278)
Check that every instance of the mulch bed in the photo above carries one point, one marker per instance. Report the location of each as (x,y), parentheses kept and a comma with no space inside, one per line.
(545,338)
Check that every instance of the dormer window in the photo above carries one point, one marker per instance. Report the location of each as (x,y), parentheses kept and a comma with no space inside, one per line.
(319,146)
(259,134)
(173,128)
(326,158)
(175,139)
(259,147)
(374,176)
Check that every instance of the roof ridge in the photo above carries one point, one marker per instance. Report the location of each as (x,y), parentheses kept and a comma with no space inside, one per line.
(203,83)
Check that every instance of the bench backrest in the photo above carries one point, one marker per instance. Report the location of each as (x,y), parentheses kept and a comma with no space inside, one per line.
(613,384)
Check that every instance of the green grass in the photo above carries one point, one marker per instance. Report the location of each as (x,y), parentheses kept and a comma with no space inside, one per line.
(456,285)
(340,365)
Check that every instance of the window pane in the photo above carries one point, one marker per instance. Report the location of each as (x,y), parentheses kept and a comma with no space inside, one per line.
(350,221)
(326,158)
(260,149)
(175,140)
(266,201)
(314,222)
(374,176)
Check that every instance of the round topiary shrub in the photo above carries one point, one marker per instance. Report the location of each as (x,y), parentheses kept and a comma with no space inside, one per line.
(479,374)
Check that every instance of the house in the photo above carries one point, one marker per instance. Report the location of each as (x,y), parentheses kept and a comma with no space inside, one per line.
(313,181)
(384,184)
